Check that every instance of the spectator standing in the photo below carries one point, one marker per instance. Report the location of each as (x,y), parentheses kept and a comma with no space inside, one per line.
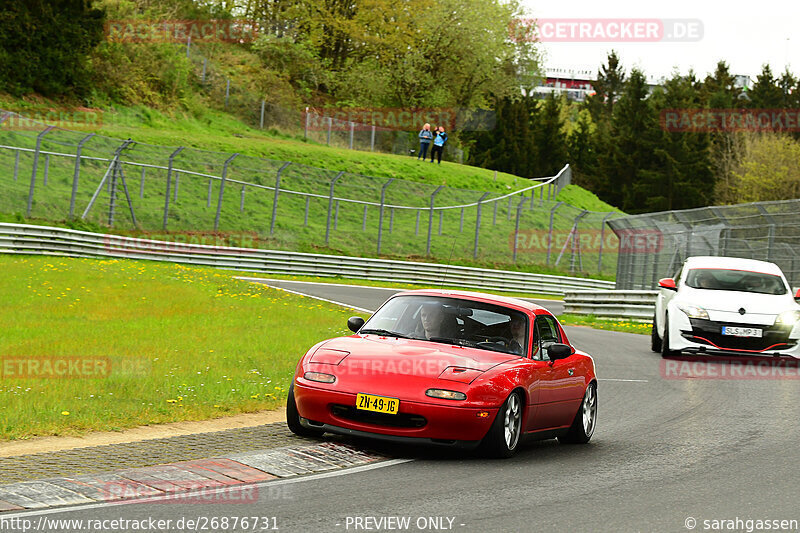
(425,138)
(438,144)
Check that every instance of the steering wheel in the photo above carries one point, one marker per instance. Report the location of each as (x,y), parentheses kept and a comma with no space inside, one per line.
(494,340)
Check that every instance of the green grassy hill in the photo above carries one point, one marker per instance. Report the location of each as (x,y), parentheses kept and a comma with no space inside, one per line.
(211,136)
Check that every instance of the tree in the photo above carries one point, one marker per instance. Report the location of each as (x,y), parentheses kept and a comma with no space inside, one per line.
(629,162)
(549,136)
(44,45)
(766,93)
(719,90)
(684,178)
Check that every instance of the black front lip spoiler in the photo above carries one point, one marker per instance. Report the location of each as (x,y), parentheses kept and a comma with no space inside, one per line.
(460,444)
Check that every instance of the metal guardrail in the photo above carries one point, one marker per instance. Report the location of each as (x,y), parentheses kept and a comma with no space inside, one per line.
(636,305)
(29,239)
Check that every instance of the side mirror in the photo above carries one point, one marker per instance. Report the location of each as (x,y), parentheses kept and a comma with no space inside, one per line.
(355,323)
(559,351)
(797,296)
(667,283)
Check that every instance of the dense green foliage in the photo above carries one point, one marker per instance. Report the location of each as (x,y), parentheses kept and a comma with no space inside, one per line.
(44,45)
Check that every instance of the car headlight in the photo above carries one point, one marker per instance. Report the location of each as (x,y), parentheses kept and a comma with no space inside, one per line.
(694,311)
(787,318)
(320,377)
(445,394)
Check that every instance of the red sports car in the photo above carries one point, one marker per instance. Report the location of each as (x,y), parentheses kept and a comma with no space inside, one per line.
(449,368)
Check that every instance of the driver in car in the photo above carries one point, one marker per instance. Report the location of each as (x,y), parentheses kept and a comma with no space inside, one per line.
(517,344)
(431,321)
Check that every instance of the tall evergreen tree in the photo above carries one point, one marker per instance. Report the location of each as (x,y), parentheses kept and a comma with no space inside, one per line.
(684,178)
(630,162)
(549,136)
(766,93)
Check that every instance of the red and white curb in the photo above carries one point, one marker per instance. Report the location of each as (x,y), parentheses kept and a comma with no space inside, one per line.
(198,481)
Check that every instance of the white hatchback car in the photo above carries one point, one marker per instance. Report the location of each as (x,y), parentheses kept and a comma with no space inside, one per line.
(726,305)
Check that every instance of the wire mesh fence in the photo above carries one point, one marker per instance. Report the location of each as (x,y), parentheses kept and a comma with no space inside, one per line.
(55,174)
(654,246)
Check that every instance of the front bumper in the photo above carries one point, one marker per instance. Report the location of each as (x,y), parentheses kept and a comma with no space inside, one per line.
(334,411)
(461,444)
(697,335)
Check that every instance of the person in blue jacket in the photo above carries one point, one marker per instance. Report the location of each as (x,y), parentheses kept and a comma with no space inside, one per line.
(438,144)
(425,138)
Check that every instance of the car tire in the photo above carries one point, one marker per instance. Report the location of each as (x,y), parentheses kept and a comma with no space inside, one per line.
(505,435)
(293,418)
(655,339)
(665,351)
(582,428)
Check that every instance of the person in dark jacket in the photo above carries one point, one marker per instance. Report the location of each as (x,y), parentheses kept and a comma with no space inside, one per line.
(438,144)
(425,138)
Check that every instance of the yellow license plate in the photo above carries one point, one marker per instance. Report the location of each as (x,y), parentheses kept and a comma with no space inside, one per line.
(379,404)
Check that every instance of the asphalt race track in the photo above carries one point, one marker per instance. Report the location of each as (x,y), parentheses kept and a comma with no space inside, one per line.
(667,455)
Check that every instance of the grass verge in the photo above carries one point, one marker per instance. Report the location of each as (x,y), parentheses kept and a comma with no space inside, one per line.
(591,321)
(180,343)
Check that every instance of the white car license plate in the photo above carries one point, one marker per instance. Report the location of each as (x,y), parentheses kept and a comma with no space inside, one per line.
(741,332)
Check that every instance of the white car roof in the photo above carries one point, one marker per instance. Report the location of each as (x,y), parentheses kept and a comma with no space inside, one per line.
(734,263)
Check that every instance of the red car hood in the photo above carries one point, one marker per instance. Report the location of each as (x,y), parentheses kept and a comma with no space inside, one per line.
(385,355)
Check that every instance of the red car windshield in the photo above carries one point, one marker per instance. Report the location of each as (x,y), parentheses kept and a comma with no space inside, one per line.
(454,321)
(735,280)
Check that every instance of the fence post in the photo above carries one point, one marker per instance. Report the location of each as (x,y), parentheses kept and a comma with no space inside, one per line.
(115,167)
(222,189)
(305,129)
(35,164)
(494,216)
(275,200)
(305,218)
(461,224)
(141,183)
(441,220)
(372,140)
(416,227)
(208,199)
(550,235)
(177,180)
(205,64)
(46,168)
(380,217)
(330,125)
(169,181)
(602,242)
(241,202)
(364,222)
(771,231)
(352,128)
(430,219)
(263,103)
(75,175)
(16,165)
(508,213)
(188,45)
(330,205)
(516,226)
(478,224)
(336,216)
(391,220)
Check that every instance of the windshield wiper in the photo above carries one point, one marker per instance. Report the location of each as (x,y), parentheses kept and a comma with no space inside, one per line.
(385,333)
